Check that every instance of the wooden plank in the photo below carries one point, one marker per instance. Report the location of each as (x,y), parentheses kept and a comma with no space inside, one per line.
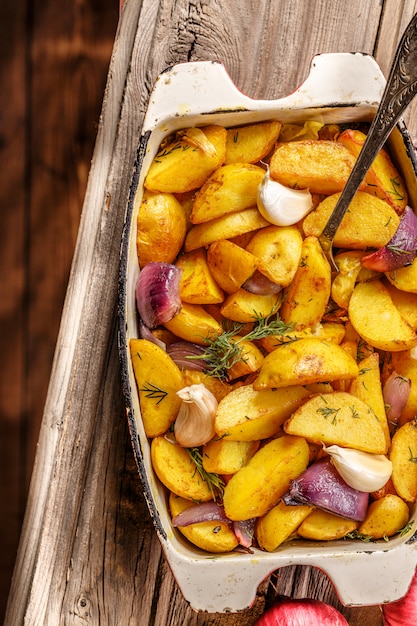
(85,518)
(13,263)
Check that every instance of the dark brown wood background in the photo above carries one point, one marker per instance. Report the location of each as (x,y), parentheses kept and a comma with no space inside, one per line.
(54,58)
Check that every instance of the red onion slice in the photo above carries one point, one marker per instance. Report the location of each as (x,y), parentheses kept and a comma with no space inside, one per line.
(158,293)
(146,333)
(322,486)
(396,391)
(400,250)
(261,285)
(245,531)
(185,354)
(205,512)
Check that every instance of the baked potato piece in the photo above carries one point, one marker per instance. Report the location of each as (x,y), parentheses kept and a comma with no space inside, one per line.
(197,285)
(186,162)
(382,179)
(321,166)
(278,249)
(230,264)
(158,379)
(403,456)
(377,320)
(259,485)
(250,144)
(369,223)
(276,526)
(230,188)
(338,418)
(385,517)
(324,526)
(222,456)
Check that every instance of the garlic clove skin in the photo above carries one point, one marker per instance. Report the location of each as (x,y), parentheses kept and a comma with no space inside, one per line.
(281,205)
(361,470)
(194,425)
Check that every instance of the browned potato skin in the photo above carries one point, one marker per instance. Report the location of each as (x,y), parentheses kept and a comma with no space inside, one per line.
(385,517)
(324,526)
(403,455)
(250,144)
(321,166)
(197,285)
(279,524)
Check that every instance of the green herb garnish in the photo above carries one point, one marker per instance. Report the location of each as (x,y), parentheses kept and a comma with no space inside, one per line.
(214,482)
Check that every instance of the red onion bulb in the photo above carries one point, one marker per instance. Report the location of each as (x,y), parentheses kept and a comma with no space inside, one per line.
(404,611)
(158,293)
(302,613)
(396,391)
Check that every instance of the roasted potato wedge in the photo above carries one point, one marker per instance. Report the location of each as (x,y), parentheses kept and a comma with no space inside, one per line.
(248,415)
(338,418)
(385,517)
(279,524)
(259,485)
(403,455)
(324,526)
(279,250)
(321,166)
(222,456)
(250,144)
(230,264)
(158,379)
(197,285)
(194,324)
(377,320)
(186,162)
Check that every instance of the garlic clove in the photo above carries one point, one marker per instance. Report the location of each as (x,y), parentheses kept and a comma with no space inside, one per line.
(194,425)
(361,470)
(281,205)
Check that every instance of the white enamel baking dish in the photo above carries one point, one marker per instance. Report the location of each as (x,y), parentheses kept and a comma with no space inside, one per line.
(340,88)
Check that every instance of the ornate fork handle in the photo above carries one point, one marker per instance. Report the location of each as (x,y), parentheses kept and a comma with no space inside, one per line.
(400,89)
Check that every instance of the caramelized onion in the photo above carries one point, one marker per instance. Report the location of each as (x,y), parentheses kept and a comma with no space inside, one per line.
(322,486)
(396,391)
(245,531)
(158,293)
(185,354)
(205,512)
(400,250)
(261,285)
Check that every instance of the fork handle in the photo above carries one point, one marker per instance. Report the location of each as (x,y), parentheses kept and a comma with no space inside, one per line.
(400,89)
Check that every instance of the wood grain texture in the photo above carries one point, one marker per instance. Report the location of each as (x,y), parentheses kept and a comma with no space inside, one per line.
(88,553)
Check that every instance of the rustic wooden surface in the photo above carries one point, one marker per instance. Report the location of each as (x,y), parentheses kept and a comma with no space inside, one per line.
(87,551)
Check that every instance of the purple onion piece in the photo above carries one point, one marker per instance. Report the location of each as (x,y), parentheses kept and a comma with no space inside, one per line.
(185,354)
(158,293)
(261,285)
(205,512)
(322,486)
(245,531)
(400,250)
(146,333)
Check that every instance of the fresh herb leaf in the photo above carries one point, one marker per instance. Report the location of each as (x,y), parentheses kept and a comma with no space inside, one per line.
(214,482)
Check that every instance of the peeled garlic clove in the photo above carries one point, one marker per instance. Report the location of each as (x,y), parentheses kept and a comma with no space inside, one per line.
(194,425)
(361,470)
(281,205)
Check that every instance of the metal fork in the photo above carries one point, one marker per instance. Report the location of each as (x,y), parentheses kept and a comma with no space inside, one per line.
(400,89)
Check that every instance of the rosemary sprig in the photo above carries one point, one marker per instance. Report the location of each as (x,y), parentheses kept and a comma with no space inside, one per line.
(214,482)
(225,350)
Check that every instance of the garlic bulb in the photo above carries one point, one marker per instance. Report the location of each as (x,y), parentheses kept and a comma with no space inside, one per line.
(194,425)
(361,470)
(281,205)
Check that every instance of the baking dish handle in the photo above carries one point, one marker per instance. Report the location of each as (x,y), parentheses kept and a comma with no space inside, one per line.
(335,79)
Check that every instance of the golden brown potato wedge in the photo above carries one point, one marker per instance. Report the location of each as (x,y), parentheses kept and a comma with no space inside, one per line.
(250,144)
(158,379)
(325,526)
(186,162)
(377,320)
(403,455)
(230,188)
(216,536)
(328,331)
(177,471)
(230,264)
(308,294)
(305,361)
(406,303)
(197,285)
(349,264)
(321,166)
(248,415)
(243,306)
(338,418)
(367,387)
(385,517)
(194,324)
(222,456)
(249,360)
(383,179)
(259,485)
(279,524)
(161,228)
(225,227)
(369,223)
(279,249)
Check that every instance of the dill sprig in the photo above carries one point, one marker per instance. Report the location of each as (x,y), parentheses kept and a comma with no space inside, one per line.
(214,482)
(225,350)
